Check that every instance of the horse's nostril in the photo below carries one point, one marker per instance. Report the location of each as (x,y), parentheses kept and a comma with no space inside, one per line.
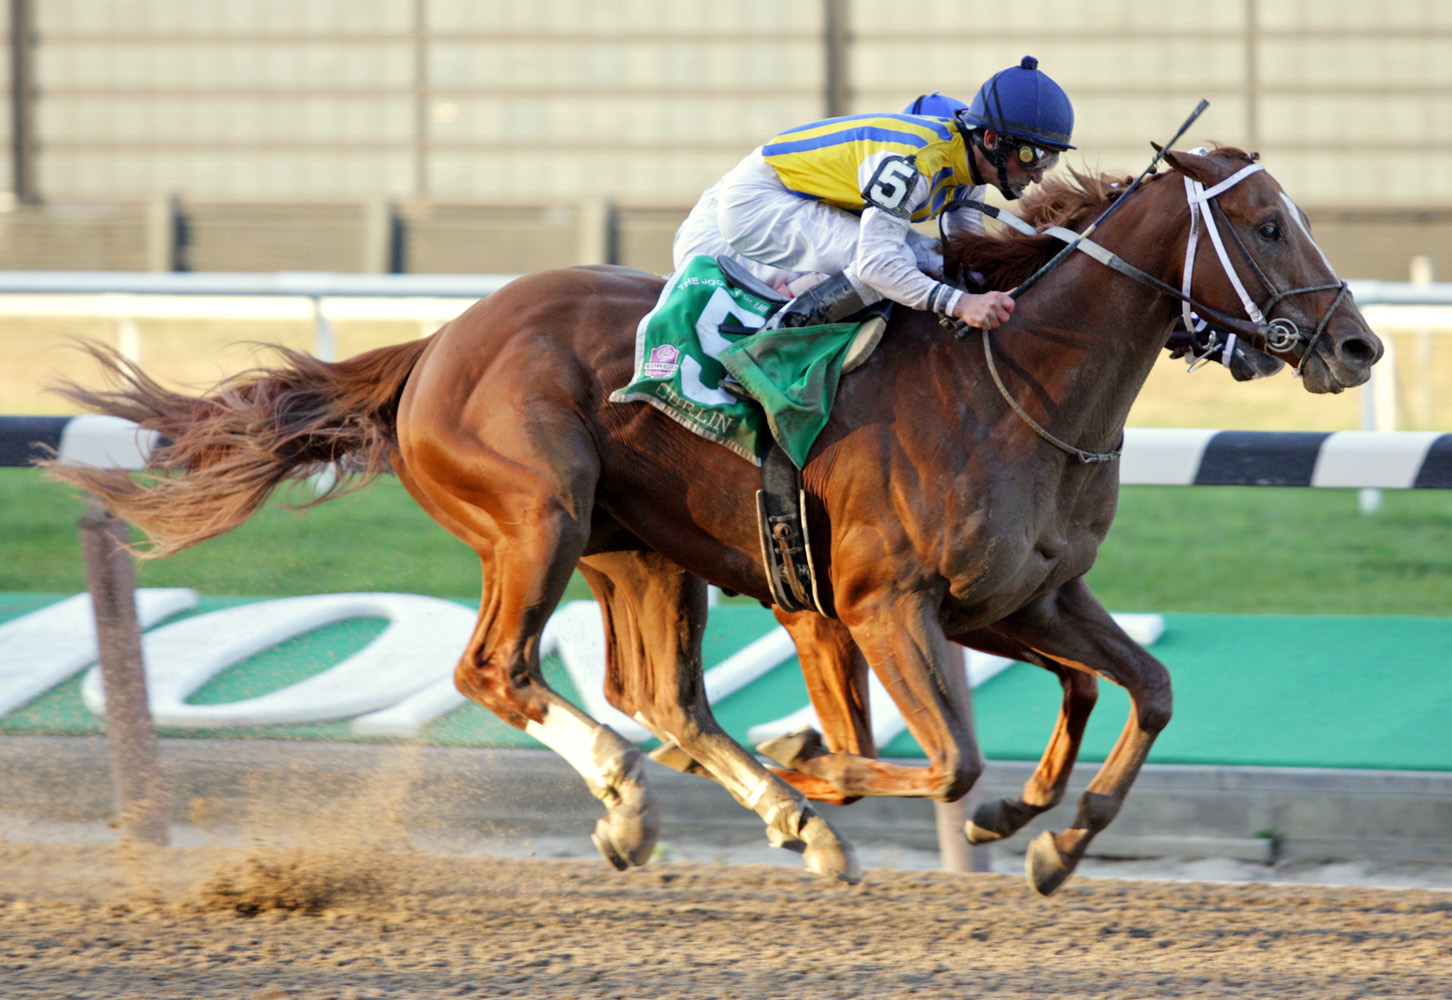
(1357,351)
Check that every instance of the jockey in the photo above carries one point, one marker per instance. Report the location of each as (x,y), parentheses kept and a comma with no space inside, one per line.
(825,210)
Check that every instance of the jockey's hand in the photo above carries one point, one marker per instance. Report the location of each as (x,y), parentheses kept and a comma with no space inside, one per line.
(986,311)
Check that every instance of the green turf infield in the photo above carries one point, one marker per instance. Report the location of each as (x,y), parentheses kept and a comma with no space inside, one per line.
(1220,549)
(1266,690)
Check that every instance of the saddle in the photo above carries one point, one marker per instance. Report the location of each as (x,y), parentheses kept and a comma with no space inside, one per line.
(781,503)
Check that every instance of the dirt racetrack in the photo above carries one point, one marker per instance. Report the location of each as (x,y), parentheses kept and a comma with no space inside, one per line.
(346,923)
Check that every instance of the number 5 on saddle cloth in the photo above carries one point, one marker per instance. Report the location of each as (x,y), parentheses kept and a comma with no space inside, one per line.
(703,327)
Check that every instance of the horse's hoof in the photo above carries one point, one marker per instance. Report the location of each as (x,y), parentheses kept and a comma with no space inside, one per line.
(601,839)
(978,835)
(626,834)
(987,824)
(624,842)
(828,853)
(1045,865)
(793,747)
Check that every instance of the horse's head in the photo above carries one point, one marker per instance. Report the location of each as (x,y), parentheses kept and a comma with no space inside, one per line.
(1250,254)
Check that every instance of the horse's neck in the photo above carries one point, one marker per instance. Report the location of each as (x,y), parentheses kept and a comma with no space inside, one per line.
(1079,355)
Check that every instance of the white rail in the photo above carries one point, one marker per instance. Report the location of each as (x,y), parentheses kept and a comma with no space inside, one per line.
(326,284)
(320,297)
(1423,307)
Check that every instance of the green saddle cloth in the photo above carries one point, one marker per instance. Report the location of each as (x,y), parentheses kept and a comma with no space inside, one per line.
(681,355)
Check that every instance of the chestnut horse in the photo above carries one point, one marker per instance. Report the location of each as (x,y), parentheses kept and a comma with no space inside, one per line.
(958,495)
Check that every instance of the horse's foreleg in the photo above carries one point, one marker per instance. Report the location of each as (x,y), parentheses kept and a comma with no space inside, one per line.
(1046,786)
(1072,629)
(655,614)
(616,580)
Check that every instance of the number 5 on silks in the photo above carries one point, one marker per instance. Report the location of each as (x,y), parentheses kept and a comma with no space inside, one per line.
(891,185)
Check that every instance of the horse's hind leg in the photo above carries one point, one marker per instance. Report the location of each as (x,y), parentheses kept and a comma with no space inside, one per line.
(655,614)
(632,586)
(529,529)
(1073,630)
(1046,786)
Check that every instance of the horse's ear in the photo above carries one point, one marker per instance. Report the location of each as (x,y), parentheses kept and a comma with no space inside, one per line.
(1190,164)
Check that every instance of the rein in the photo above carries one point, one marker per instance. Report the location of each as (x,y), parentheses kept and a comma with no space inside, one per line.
(1085,457)
(1114,262)
(1279,334)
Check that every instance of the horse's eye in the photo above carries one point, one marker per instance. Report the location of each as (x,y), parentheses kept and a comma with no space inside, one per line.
(1269,231)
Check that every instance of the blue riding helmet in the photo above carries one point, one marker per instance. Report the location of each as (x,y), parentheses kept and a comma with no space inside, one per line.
(1023,103)
(936,105)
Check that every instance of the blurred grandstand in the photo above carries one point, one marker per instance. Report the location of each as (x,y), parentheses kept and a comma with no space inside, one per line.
(464,136)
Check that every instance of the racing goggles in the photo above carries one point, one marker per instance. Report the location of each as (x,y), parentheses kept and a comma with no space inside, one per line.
(1035,158)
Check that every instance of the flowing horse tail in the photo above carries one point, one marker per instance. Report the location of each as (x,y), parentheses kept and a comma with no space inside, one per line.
(224,453)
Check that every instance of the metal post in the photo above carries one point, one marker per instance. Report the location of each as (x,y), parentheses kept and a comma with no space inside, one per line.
(324,345)
(22,102)
(128,331)
(834,39)
(599,232)
(380,243)
(164,233)
(1423,274)
(1379,406)
(141,806)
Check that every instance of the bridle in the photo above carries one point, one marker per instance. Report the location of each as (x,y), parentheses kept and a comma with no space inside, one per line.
(1279,334)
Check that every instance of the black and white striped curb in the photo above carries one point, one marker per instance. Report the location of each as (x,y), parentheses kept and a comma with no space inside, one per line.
(1391,460)
(90,439)
(1152,456)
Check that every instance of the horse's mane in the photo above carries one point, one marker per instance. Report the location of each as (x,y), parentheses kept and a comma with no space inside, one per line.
(1005,257)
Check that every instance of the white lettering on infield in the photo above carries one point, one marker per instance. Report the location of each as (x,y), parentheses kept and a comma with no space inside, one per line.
(394,686)
(423,634)
(44,648)
(575,631)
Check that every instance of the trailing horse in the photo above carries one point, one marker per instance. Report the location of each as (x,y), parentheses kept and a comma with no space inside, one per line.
(963,485)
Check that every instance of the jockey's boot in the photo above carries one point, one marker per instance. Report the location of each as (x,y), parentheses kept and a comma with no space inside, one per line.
(831,301)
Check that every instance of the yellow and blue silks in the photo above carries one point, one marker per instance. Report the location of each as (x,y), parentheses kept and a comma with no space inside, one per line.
(824,160)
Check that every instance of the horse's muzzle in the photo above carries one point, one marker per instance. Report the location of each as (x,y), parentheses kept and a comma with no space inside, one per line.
(1342,358)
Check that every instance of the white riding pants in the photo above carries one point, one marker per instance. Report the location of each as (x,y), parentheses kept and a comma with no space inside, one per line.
(776,235)
(782,238)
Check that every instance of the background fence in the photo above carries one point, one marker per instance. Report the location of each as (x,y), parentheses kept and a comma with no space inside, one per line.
(502,137)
